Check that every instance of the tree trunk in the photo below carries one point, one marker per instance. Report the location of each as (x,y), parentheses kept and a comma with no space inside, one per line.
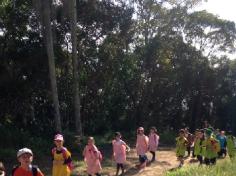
(51,61)
(73,23)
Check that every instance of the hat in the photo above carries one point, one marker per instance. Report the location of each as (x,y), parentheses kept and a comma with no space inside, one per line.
(58,137)
(23,151)
(208,132)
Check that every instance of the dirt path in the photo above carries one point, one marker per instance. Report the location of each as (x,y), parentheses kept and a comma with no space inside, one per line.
(166,160)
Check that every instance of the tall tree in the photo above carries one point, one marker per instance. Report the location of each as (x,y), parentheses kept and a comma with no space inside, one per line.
(73,24)
(51,60)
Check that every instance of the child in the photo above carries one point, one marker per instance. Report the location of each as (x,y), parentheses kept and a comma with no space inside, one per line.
(230,145)
(92,158)
(119,152)
(190,140)
(199,146)
(181,145)
(222,139)
(142,148)
(196,146)
(153,142)
(2,169)
(212,148)
(62,162)
(25,158)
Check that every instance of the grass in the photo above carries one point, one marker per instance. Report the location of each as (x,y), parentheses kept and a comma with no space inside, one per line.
(222,168)
(80,168)
(41,146)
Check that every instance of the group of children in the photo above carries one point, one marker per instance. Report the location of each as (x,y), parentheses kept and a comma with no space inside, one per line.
(208,145)
(62,161)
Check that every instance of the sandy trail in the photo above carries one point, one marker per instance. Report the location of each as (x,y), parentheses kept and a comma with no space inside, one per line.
(166,160)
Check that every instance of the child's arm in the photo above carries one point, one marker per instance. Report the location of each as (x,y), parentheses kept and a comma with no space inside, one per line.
(39,173)
(127,147)
(113,152)
(157,138)
(147,141)
(84,151)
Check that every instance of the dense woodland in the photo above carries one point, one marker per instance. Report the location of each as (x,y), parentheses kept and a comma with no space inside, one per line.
(96,66)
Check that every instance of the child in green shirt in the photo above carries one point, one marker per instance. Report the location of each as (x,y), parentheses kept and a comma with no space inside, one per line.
(212,148)
(181,145)
(199,146)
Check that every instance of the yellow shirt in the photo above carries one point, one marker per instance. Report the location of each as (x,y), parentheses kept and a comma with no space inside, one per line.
(59,167)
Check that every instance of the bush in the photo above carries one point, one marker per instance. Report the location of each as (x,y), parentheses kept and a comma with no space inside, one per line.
(168,138)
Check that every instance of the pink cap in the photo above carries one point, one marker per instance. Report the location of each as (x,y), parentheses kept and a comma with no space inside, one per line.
(58,137)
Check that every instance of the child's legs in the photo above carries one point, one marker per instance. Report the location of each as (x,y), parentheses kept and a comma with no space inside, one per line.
(97,174)
(181,160)
(122,167)
(199,157)
(153,155)
(224,152)
(207,161)
(117,168)
(189,150)
(193,154)
(143,161)
(220,153)
(213,161)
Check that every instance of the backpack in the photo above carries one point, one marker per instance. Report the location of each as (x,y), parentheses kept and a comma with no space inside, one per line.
(216,145)
(70,164)
(34,170)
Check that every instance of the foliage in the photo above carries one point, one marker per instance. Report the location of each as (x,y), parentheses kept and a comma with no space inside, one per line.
(139,64)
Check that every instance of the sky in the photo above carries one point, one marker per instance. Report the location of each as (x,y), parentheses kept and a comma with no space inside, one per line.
(225,9)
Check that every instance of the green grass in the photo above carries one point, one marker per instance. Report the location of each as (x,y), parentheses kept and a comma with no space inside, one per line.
(222,168)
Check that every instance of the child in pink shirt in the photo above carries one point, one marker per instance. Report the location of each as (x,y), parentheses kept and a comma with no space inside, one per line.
(91,156)
(153,142)
(119,152)
(142,147)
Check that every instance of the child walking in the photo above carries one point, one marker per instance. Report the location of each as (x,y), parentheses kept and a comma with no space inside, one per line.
(153,142)
(223,142)
(92,157)
(25,158)
(199,146)
(142,148)
(119,152)
(181,145)
(190,140)
(62,162)
(212,148)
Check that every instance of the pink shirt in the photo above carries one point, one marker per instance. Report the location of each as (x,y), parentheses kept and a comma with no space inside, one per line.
(153,142)
(142,144)
(91,157)
(119,151)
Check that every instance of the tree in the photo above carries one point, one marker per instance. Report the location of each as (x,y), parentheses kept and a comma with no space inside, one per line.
(51,60)
(73,25)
